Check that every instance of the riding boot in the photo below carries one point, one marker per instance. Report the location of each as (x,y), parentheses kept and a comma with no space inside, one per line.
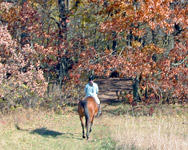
(99,110)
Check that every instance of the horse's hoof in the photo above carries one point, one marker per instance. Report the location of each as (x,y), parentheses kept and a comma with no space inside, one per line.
(90,131)
(83,137)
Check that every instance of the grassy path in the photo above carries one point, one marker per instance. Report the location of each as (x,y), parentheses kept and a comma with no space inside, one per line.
(49,131)
(167,129)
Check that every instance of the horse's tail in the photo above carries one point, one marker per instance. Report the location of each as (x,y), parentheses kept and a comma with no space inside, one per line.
(86,112)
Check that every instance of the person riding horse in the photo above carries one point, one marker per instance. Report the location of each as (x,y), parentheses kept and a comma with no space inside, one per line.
(89,107)
(91,89)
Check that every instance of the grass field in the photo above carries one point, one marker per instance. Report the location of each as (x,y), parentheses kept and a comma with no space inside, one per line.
(49,131)
(117,129)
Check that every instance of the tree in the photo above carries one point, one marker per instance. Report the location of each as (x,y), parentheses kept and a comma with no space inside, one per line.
(32,25)
(141,39)
(20,73)
(150,70)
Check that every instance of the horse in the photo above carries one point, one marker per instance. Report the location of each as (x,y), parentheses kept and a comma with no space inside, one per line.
(89,109)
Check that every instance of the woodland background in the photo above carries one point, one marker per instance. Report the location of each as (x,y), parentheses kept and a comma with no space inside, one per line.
(49,47)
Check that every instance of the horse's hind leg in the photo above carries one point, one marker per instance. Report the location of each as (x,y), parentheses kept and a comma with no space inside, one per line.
(91,124)
(87,129)
(82,124)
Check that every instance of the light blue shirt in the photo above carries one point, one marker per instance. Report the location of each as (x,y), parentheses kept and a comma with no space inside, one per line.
(91,90)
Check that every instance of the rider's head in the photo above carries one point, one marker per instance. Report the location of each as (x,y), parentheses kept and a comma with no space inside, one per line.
(91,78)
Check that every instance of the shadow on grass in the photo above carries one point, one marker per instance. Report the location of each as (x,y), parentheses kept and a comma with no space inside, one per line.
(50,133)
(46,132)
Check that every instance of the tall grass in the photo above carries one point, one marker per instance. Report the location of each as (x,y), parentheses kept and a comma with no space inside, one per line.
(162,131)
(119,128)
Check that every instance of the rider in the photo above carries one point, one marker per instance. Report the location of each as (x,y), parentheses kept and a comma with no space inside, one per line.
(91,89)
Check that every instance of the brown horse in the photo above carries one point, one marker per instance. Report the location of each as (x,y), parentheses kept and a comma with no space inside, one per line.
(89,109)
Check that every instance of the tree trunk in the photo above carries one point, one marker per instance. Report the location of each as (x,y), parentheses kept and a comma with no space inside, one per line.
(62,38)
(136,89)
(114,42)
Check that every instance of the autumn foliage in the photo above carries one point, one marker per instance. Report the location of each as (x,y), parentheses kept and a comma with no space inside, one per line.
(43,41)
(164,76)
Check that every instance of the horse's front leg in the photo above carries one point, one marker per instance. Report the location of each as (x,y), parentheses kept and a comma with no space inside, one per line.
(82,124)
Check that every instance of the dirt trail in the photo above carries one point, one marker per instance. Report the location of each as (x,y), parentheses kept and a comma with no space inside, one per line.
(109,86)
